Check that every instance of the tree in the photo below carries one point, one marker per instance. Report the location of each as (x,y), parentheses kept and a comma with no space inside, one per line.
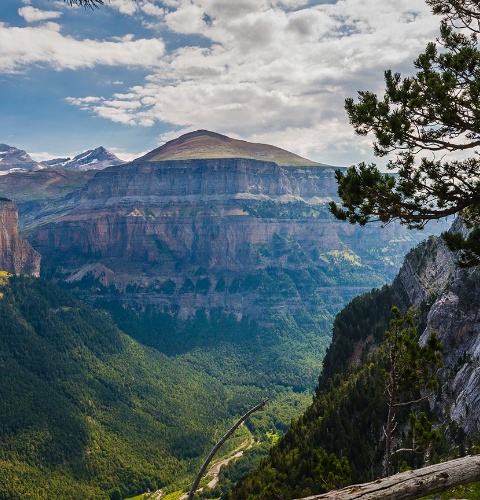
(86,3)
(423,122)
(461,13)
(410,376)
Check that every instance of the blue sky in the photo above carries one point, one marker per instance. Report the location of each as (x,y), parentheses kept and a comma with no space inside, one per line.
(131,75)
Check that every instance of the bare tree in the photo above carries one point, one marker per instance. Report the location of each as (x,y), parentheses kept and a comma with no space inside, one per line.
(218,446)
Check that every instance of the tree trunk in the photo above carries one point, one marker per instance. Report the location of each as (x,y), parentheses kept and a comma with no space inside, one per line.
(412,484)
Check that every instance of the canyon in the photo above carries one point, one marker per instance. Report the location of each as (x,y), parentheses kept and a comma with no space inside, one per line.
(208,222)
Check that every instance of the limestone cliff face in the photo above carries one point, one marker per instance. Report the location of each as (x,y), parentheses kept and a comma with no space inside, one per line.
(16,255)
(430,275)
(208,233)
(184,178)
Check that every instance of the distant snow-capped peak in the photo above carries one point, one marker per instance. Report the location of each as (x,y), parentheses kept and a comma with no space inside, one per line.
(13,159)
(93,159)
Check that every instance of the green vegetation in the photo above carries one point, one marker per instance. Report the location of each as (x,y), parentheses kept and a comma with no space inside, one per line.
(340,438)
(410,375)
(434,111)
(84,408)
(86,411)
(291,210)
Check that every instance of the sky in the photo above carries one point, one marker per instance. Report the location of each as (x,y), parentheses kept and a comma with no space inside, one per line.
(132,75)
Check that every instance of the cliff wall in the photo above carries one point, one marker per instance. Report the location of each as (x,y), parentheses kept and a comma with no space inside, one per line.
(430,275)
(16,255)
(191,234)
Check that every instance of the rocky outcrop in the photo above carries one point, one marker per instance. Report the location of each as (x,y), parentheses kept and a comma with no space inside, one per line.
(16,255)
(430,278)
(202,234)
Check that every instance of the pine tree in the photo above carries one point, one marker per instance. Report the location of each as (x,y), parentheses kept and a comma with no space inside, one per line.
(410,376)
(86,3)
(422,123)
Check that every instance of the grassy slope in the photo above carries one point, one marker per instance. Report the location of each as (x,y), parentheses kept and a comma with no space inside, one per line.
(205,144)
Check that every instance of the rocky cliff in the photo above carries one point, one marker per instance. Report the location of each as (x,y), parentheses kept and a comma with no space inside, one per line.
(16,255)
(430,276)
(190,234)
(208,222)
(448,298)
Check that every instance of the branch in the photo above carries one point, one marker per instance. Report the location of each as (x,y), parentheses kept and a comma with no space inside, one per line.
(404,450)
(406,403)
(219,445)
(412,484)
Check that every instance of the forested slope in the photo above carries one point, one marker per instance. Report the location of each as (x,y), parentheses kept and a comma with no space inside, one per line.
(340,439)
(85,410)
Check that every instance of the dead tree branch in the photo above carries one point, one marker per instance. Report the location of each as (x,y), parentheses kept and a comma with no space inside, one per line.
(412,484)
(218,446)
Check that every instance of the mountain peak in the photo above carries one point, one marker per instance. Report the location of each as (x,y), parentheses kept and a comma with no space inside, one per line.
(93,159)
(204,144)
(14,159)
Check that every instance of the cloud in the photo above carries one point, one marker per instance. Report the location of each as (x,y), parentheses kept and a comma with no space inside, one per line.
(32,15)
(152,10)
(21,47)
(274,71)
(126,7)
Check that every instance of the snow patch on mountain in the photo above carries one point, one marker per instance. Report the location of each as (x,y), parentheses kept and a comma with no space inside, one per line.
(93,159)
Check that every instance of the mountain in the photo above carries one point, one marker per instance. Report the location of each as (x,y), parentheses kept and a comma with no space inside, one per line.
(16,255)
(205,144)
(13,159)
(93,159)
(195,242)
(230,267)
(219,232)
(339,440)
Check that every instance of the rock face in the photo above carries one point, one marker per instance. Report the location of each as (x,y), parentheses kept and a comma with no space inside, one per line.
(207,222)
(16,255)
(431,277)
(222,233)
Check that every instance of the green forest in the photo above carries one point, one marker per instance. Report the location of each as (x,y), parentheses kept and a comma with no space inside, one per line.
(340,439)
(89,412)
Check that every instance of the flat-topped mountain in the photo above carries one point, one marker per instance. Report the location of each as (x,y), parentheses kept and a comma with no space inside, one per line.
(213,229)
(205,144)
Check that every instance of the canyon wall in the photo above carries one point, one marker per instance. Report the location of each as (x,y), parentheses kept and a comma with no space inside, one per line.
(16,255)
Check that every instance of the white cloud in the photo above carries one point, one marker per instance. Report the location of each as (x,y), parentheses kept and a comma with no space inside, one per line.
(274,71)
(126,7)
(20,47)
(152,10)
(32,15)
